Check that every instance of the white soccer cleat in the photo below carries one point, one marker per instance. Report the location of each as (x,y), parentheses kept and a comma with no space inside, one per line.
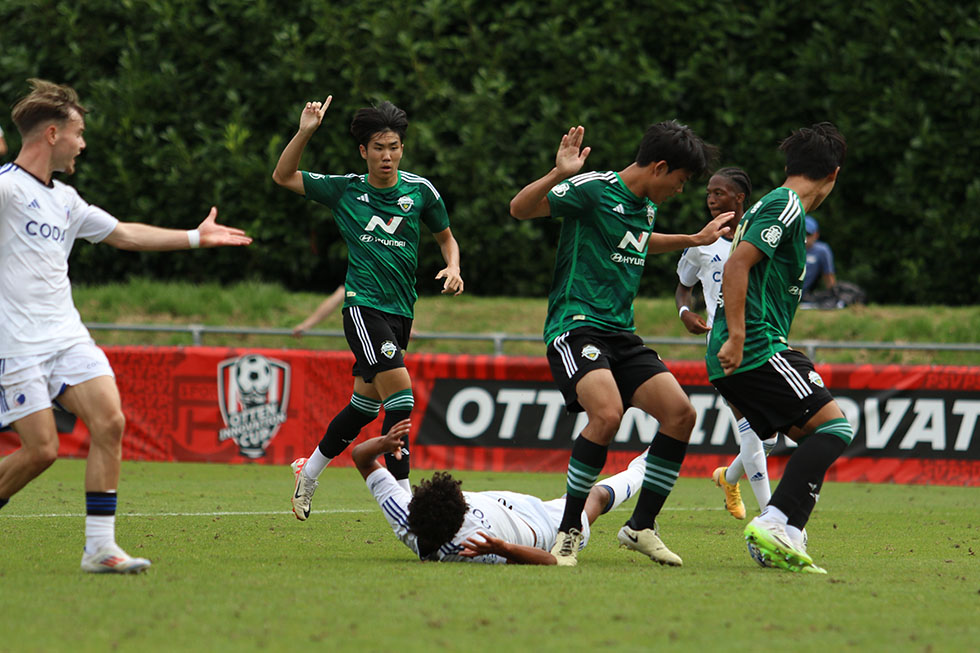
(302,491)
(111,559)
(647,541)
(566,547)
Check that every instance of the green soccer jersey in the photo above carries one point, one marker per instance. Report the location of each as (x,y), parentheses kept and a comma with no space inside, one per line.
(775,226)
(381,229)
(601,253)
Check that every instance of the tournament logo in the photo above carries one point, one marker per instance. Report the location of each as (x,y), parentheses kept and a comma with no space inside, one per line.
(815,379)
(772,235)
(591,352)
(389,349)
(253,395)
(405,203)
(560,190)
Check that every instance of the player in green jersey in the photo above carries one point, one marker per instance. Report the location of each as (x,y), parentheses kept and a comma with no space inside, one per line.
(749,361)
(599,364)
(379,216)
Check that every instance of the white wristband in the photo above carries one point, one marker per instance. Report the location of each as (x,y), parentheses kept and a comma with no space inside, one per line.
(194,238)
(680,313)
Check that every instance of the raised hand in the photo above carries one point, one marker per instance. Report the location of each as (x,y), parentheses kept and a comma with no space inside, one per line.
(313,114)
(218,235)
(715,229)
(571,155)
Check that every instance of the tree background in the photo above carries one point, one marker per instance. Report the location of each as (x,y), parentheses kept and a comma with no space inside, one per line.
(192,101)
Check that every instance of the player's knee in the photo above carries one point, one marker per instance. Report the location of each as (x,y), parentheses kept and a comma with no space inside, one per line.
(43,454)
(680,421)
(605,421)
(108,428)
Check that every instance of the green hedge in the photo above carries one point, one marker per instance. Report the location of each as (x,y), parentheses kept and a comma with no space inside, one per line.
(193,101)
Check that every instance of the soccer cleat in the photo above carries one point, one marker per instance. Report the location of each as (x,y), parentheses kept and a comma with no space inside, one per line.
(110,559)
(647,541)
(303,491)
(733,495)
(768,542)
(566,547)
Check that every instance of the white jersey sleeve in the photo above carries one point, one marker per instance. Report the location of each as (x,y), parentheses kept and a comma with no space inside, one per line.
(91,222)
(393,500)
(689,267)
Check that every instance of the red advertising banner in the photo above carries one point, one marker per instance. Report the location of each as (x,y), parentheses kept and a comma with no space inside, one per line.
(913,424)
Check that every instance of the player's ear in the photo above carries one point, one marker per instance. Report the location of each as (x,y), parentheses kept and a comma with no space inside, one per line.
(363,151)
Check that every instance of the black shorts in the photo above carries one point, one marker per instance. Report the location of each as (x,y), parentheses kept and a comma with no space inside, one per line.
(781,393)
(377,339)
(579,351)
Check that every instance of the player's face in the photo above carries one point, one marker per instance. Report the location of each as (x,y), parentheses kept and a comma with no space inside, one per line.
(68,143)
(665,184)
(383,153)
(722,196)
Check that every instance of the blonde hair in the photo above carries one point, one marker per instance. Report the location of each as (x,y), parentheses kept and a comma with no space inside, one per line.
(46,102)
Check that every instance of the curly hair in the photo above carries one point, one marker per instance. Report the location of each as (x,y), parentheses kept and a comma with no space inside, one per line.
(436,511)
(47,101)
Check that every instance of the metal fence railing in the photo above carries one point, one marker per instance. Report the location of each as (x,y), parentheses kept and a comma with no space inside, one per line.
(498,339)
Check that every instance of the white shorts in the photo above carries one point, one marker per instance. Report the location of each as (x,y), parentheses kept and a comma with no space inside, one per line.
(544,517)
(28,384)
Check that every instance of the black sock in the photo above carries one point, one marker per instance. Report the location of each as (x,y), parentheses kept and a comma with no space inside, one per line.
(343,430)
(584,466)
(664,462)
(802,479)
(3,502)
(398,468)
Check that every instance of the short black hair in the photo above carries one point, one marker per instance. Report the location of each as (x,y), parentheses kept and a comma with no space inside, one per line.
(374,120)
(678,145)
(436,511)
(738,177)
(814,152)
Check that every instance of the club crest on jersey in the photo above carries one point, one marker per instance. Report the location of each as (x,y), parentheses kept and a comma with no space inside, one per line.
(651,213)
(591,352)
(315,175)
(815,379)
(253,396)
(389,349)
(772,235)
(560,189)
(405,203)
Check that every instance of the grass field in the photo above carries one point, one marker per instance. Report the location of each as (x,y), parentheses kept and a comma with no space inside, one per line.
(233,570)
(266,305)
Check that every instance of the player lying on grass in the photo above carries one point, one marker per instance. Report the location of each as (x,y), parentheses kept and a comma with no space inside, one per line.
(441,522)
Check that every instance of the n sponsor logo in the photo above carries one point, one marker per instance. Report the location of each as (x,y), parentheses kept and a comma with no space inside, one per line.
(389,227)
(253,396)
(638,243)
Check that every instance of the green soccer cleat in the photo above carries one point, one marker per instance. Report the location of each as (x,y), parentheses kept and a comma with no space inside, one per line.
(769,545)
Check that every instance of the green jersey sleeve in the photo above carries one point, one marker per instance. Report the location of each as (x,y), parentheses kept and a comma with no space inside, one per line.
(325,189)
(770,226)
(569,200)
(434,214)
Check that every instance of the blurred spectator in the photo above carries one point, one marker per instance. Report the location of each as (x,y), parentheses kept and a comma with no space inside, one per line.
(3,143)
(819,260)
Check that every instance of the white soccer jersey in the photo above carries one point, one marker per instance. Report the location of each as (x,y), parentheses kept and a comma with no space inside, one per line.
(38,226)
(705,264)
(511,516)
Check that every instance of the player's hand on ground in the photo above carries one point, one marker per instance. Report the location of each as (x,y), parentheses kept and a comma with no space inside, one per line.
(453,282)
(218,235)
(475,546)
(571,155)
(730,356)
(694,323)
(394,440)
(715,229)
(313,114)
(300,329)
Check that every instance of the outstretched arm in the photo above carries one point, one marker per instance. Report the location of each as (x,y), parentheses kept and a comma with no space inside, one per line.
(450,254)
(532,201)
(515,553)
(136,236)
(287,172)
(734,285)
(660,243)
(326,307)
(365,455)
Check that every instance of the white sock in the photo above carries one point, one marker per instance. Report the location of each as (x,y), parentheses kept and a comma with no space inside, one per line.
(753,456)
(100,530)
(315,465)
(772,513)
(737,466)
(624,484)
(405,485)
(796,537)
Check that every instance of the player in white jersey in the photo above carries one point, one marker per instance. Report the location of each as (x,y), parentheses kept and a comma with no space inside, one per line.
(441,522)
(728,190)
(46,353)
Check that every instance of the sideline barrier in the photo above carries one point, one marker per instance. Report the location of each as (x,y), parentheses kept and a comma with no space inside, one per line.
(913,424)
